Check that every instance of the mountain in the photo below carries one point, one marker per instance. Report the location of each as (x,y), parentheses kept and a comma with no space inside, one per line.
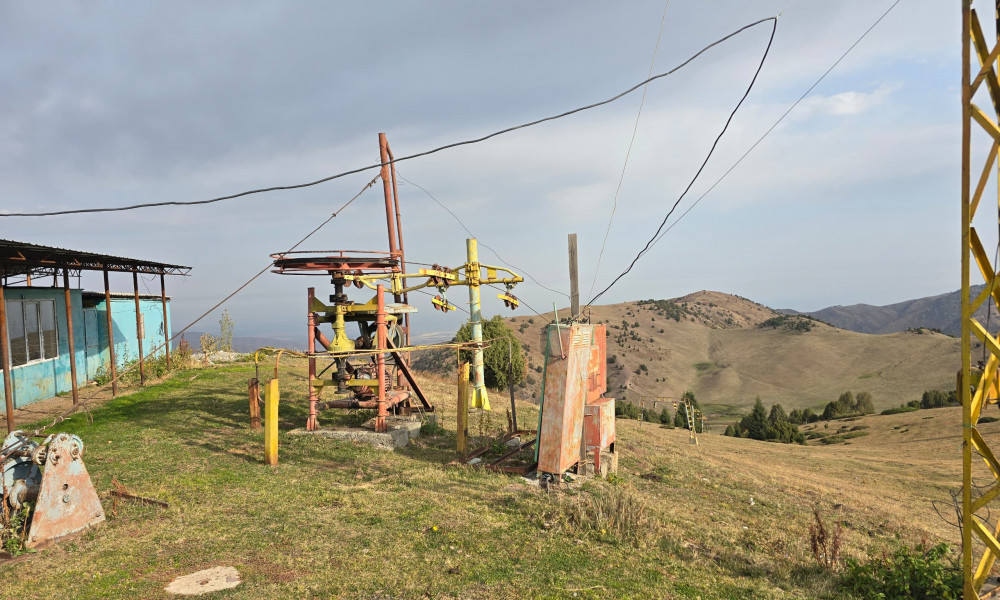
(942,312)
(728,350)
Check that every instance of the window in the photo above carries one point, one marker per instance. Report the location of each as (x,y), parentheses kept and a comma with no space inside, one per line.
(31,329)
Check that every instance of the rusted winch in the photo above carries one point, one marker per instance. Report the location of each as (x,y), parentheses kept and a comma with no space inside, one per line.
(53,477)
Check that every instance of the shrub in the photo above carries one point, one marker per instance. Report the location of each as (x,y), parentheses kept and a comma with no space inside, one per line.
(495,356)
(918,573)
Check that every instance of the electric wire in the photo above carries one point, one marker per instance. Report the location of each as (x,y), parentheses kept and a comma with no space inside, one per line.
(481,243)
(83,401)
(402,158)
(628,152)
(781,118)
(767,50)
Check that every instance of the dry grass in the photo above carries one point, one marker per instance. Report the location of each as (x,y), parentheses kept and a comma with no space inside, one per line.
(728,365)
(338,520)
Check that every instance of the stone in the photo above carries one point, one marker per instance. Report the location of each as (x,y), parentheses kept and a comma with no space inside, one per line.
(205,581)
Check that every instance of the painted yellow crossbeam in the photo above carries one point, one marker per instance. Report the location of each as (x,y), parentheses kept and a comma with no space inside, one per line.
(984,176)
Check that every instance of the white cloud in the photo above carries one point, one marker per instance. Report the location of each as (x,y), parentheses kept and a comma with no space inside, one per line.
(849,103)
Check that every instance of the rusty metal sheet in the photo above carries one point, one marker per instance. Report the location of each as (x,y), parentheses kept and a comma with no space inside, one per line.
(67,502)
(565,392)
(599,423)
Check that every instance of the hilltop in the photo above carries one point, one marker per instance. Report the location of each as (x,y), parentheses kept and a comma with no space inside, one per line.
(729,349)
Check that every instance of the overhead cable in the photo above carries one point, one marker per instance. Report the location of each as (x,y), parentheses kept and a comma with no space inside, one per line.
(402,158)
(767,50)
(628,152)
(780,119)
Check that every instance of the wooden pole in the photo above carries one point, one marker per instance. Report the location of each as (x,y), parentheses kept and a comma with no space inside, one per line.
(69,334)
(574,278)
(462,436)
(111,335)
(8,391)
(254,392)
(138,328)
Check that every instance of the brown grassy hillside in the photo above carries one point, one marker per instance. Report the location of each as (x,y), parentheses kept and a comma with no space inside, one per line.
(713,343)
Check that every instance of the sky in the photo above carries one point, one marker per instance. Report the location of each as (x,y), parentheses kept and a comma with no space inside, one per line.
(853,198)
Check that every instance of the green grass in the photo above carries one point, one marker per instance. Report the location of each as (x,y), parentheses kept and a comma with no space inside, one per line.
(335,519)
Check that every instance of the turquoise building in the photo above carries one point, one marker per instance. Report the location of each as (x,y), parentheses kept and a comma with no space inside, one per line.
(40,355)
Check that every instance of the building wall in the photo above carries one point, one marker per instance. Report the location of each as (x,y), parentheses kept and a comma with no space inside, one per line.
(46,378)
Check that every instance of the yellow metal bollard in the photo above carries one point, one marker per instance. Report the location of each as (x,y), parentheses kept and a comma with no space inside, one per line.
(463,409)
(271,397)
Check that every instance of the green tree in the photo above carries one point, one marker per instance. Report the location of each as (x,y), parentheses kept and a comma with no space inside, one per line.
(226,327)
(777,415)
(665,418)
(863,404)
(495,357)
(755,424)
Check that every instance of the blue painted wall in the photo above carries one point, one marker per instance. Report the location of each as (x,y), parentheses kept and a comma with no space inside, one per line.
(44,379)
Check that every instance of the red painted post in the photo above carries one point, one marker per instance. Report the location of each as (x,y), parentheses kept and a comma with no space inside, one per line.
(166,331)
(387,191)
(380,323)
(69,334)
(138,328)
(8,391)
(313,423)
(111,335)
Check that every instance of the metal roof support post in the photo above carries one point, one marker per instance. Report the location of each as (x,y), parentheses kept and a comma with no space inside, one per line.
(166,331)
(8,391)
(69,336)
(111,336)
(138,328)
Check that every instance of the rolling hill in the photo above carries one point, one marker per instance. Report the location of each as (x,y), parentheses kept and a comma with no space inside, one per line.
(728,350)
(942,312)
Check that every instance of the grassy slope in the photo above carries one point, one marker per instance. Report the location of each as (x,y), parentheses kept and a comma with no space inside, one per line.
(338,520)
(727,364)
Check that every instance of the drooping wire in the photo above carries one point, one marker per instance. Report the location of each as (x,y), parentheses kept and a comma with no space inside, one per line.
(82,405)
(711,151)
(628,152)
(780,119)
(403,158)
(481,243)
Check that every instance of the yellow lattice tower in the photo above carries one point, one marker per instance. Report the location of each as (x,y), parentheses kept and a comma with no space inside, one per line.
(980,547)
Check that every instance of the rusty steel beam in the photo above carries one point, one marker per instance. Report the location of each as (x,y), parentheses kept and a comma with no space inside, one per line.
(111,335)
(391,399)
(139,328)
(69,335)
(8,391)
(313,423)
(409,377)
(387,191)
(402,257)
(166,332)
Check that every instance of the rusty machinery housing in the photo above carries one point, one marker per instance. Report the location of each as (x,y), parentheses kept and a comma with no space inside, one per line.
(359,375)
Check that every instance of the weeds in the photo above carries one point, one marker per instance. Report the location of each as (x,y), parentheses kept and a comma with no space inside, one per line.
(825,547)
(616,512)
(918,573)
(14,528)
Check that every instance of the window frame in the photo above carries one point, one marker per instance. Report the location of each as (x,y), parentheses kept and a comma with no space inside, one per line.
(25,304)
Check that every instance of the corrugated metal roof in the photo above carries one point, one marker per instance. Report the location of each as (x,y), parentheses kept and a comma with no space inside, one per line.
(19,258)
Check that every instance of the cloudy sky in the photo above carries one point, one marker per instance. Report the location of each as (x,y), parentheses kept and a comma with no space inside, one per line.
(853,198)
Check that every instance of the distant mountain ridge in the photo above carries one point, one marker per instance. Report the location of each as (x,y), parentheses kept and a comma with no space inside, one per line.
(942,312)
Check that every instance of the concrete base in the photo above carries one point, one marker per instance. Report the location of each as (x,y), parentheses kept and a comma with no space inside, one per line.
(401,431)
